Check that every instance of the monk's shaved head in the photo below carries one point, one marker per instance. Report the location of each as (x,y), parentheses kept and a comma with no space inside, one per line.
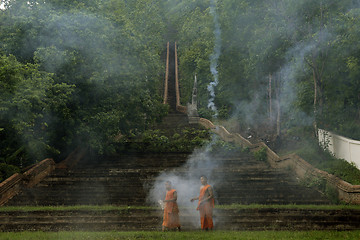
(168,185)
(203,180)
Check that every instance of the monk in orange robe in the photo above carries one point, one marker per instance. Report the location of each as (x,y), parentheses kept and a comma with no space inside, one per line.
(171,209)
(206,204)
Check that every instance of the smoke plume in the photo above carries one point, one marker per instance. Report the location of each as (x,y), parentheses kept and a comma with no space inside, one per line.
(214,57)
(186,181)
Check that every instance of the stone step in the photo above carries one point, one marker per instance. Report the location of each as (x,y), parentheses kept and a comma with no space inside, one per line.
(140,173)
(135,162)
(125,179)
(147,174)
(108,197)
(264,191)
(136,219)
(228,165)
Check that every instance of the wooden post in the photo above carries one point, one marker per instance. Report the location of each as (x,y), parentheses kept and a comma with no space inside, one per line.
(177,79)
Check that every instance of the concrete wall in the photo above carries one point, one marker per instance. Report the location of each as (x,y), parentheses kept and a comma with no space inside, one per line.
(341,147)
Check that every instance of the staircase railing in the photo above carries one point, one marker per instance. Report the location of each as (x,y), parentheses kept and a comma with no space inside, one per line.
(179,107)
(166,84)
(13,185)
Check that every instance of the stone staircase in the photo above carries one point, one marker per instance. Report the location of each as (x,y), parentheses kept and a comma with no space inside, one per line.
(116,180)
(123,180)
(248,181)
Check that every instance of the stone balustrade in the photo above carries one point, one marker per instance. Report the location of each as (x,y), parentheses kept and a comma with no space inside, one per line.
(13,185)
(10,187)
(37,173)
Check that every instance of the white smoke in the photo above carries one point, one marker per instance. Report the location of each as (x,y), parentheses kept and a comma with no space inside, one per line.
(186,181)
(214,57)
(298,60)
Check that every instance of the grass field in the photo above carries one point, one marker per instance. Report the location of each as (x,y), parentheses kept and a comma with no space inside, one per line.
(125,208)
(264,235)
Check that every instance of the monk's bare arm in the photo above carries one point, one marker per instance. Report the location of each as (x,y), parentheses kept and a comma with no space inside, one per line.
(172,200)
(193,199)
(210,195)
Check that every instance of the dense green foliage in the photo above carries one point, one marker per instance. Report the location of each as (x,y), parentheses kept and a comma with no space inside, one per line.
(284,65)
(185,140)
(28,100)
(299,141)
(325,161)
(77,73)
(6,170)
(86,72)
(260,154)
(246,235)
(309,51)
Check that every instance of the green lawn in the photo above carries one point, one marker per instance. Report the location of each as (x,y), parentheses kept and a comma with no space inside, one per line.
(266,235)
(126,208)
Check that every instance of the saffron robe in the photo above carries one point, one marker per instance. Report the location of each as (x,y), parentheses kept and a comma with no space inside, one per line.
(171,211)
(206,210)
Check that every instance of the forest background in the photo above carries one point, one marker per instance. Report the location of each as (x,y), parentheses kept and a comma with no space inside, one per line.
(84,72)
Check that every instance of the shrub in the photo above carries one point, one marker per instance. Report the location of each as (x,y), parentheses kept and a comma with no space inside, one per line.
(161,141)
(314,182)
(7,171)
(261,154)
(332,194)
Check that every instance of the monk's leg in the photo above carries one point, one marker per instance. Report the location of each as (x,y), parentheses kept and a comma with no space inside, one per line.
(166,221)
(208,216)
(174,222)
(202,217)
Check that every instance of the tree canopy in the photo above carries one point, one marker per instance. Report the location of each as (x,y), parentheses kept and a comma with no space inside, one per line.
(82,72)
(78,73)
(290,61)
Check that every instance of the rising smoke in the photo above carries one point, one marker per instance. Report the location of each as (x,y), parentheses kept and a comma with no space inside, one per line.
(282,21)
(186,181)
(214,57)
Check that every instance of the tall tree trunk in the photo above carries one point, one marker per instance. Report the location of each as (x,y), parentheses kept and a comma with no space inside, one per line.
(359,107)
(278,117)
(278,121)
(270,100)
(315,102)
